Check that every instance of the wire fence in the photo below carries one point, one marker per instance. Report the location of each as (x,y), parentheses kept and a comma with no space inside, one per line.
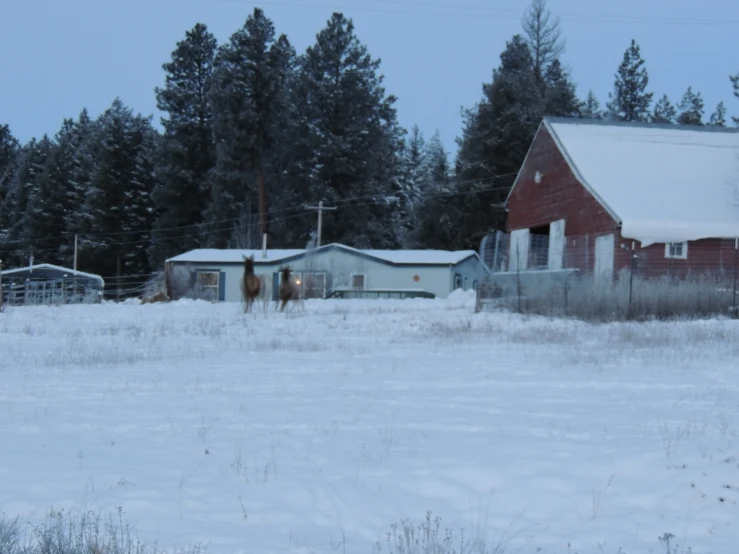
(606,278)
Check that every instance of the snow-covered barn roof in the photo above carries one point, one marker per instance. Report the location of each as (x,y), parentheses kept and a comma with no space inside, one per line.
(663,183)
(394,257)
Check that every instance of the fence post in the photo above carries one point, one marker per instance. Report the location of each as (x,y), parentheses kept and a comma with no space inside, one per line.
(735,311)
(518,276)
(631,277)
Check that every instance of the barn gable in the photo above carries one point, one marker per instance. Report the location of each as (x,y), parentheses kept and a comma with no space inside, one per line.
(660,183)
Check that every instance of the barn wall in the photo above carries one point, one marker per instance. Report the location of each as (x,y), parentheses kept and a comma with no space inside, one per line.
(714,256)
(559,195)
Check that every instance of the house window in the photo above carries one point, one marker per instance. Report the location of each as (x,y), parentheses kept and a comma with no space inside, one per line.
(358,281)
(677,250)
(314,285)
(457,281)
(207,281)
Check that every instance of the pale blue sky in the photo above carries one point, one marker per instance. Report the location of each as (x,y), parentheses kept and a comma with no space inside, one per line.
(59,56)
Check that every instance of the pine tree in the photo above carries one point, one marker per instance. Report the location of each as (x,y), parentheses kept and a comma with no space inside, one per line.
(9,148)
(410,188)
(718,118)
(439,212)
(560,98)
(664,111)
(350,139)
(735,82)
(630,100)
(248,94)
(543,37)
(590,108)
(496,136)
(187,152)
(691,108)
(118,201)
(80,180)
(23,189)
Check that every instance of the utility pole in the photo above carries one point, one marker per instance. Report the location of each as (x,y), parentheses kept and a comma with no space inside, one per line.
(75,253)
(320,209)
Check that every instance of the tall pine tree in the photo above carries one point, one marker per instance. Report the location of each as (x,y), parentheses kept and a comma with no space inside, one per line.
(350,140)
(411,184)
(8,155)
(23,191)
(496,136)
(187,151)
(118,210)
(439,215)
(691,108)
(664,111)
(248,94)
(630,100)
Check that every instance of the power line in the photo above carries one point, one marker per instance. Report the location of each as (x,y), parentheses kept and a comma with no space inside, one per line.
(484,12)
(350,204)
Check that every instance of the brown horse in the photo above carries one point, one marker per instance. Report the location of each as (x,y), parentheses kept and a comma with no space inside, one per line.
(288,290)
(251,285)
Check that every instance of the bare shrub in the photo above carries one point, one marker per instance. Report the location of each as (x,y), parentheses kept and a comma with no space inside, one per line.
(75,533)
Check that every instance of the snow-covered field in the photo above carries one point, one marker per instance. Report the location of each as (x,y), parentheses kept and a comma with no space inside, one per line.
(317,431)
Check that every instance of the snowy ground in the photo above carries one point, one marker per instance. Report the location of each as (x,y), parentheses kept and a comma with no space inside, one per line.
(315,432)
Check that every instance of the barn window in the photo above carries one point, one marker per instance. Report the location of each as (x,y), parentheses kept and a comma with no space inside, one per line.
(358,281)
(677,250)
(457,281)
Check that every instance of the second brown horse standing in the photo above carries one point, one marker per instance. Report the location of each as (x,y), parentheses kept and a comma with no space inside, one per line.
(251,285)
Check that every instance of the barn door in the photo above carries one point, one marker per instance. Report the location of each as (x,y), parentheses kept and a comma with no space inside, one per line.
(604,253)
(519,252)
(556,244)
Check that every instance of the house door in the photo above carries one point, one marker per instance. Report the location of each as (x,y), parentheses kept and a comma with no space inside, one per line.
(604,254)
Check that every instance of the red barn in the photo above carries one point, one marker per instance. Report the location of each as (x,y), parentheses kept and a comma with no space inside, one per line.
(589,192)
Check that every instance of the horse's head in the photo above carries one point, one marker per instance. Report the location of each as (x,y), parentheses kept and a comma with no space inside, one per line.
(285,274)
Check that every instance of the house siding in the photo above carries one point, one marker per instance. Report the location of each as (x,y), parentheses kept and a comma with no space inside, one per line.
(340,266)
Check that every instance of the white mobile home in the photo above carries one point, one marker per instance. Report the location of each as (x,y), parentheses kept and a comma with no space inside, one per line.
(333,270)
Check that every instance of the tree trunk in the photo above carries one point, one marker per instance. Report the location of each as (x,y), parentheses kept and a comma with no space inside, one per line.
(262,200)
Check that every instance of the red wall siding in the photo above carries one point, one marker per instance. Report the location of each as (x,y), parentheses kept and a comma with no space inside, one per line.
(714,256)
(559,196)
